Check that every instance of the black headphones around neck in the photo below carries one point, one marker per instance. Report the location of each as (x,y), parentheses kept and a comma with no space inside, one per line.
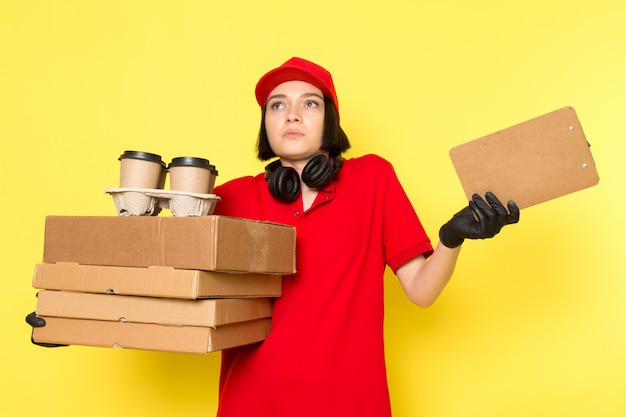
(284,182)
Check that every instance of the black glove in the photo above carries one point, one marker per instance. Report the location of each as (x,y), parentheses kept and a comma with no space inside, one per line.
(36,321)
(478,220)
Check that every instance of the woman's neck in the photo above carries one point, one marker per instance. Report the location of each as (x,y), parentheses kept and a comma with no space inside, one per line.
(308,196)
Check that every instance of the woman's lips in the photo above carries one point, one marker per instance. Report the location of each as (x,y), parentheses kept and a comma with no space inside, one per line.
(292,133)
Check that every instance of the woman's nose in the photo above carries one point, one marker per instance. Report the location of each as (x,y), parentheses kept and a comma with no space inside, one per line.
(293,116)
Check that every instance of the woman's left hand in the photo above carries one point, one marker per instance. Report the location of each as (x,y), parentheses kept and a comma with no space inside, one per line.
(479,220)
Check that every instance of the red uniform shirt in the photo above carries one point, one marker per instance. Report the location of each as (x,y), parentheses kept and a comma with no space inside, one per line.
(324,355)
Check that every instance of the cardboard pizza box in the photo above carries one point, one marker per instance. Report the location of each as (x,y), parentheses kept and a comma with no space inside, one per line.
(168,311)
(148,336)
(155,281)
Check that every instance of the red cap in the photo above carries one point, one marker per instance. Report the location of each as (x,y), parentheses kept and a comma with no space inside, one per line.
(297,69)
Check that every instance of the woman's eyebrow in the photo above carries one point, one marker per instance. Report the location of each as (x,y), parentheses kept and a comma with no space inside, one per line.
(275,96)
(312,95)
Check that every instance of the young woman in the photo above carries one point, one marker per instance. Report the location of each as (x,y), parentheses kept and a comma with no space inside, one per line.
(325,353)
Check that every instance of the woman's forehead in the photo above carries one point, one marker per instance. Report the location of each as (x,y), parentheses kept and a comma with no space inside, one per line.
(297,87)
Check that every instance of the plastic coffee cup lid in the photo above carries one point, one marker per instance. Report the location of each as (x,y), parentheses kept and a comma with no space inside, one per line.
(145,156)
(190,161)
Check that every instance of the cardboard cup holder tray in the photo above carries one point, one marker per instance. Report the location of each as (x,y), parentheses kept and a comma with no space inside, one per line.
(149,202)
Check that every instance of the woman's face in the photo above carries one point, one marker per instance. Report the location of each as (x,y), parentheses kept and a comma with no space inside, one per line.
(294,121)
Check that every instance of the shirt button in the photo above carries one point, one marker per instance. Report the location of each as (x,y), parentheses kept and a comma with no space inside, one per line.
(296,213)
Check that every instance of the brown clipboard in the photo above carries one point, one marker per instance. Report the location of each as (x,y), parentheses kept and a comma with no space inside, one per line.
(530,163)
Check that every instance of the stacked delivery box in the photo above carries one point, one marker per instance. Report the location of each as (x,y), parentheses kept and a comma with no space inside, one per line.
(177,284)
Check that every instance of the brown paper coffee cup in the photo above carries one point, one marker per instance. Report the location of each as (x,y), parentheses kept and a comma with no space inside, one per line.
(141,170)
(191,174)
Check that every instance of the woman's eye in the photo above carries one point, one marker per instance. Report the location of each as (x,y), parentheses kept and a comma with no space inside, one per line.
(311,104)
(277,105)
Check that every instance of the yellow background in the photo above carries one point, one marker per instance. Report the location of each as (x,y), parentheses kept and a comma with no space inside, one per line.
(532,323)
